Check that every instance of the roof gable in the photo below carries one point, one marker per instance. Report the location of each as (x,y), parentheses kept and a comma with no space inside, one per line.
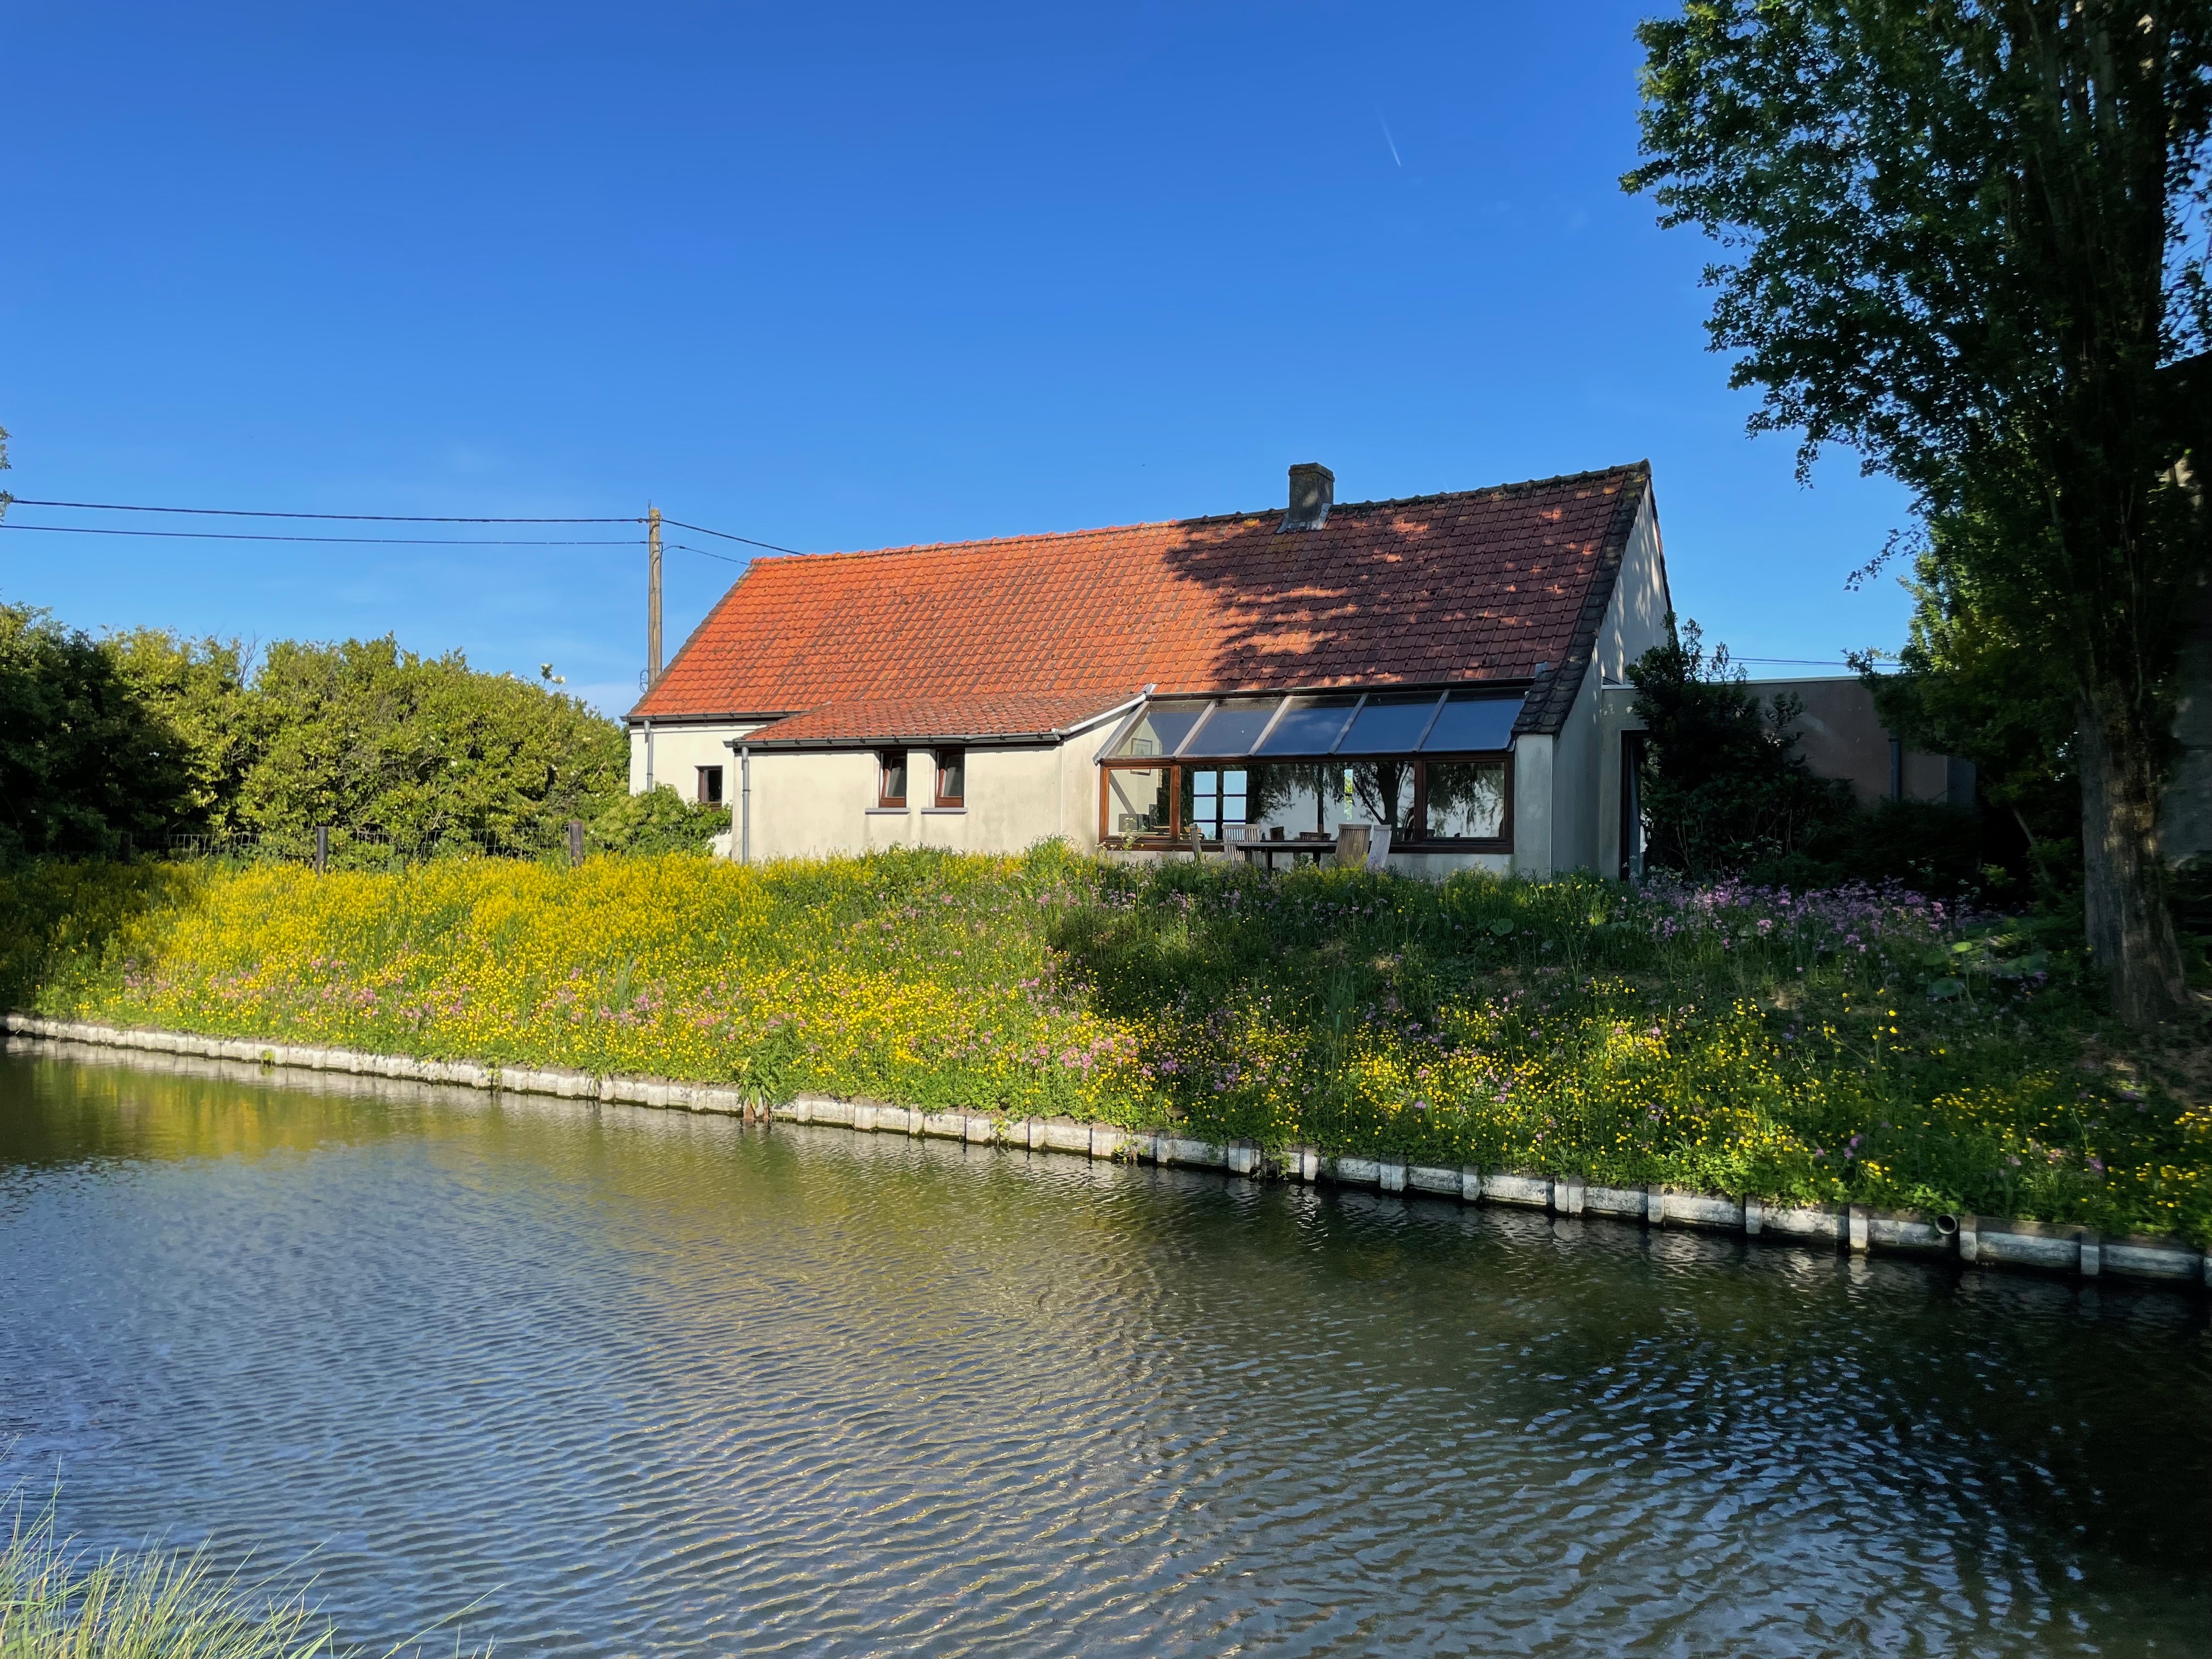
(1475,586)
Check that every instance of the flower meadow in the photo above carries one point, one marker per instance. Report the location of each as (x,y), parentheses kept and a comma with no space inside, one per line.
(1858,1045)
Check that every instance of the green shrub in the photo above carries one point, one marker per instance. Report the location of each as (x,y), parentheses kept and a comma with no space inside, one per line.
(1724,787)
(658,821)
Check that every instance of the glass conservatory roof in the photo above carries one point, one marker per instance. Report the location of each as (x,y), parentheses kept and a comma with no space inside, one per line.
(1315,727)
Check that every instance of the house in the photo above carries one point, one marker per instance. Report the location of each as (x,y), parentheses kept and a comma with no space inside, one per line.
(1434,665)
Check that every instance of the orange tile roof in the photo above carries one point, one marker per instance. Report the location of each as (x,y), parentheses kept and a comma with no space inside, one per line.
(946,719)
(1029,634)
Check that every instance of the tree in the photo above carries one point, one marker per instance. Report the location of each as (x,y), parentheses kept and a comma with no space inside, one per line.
(364,736)
(1959,240)
(82,761)
(1724,787)
(198,691)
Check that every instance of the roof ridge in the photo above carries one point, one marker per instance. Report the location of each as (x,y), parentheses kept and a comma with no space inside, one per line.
(1515,488)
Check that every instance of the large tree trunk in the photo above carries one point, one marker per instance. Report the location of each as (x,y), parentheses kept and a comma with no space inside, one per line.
(2130,929)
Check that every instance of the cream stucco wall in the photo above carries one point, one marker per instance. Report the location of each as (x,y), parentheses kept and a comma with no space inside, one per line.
(678,749)
(814,804)
(1532,802)
(1584,824)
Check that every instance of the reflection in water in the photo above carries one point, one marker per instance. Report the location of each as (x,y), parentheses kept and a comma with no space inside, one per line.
(643,1382)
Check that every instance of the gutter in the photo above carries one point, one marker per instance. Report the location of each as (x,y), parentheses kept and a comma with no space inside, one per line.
(966,739)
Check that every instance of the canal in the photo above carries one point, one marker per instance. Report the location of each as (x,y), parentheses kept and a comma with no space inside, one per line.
(627,1382)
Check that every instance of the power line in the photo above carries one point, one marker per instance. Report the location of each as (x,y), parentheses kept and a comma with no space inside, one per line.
(681,547)
(1801,662)
(364,518)
(726,537)
(344,541)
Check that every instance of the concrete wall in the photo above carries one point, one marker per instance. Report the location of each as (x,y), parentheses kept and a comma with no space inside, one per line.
(1840,736)
(2184,825)
(1532,802)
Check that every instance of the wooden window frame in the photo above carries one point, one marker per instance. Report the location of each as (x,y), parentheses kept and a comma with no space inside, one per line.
(1155,763)
(886,801)
(699,791)
(945,802)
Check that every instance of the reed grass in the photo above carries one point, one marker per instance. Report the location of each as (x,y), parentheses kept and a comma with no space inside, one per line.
(56,1603)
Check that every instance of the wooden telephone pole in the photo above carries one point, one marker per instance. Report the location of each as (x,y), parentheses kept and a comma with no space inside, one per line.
(652,597)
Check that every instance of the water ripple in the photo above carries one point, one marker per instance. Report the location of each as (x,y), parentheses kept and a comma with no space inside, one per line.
(628,1382)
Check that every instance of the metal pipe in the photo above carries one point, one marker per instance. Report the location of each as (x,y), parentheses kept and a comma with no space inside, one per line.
(648,757)
(744,803)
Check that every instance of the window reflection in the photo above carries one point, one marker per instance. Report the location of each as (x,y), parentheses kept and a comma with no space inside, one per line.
(1232,728)
(1137,800)
(1216,800)
(1390,723)
(1162,726)
(1383,791)
(1472,723)
(1310,725)
(1466,800)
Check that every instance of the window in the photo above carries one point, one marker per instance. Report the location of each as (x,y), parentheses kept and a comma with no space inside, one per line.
(1382,791)
(1160,727)
(1463,800)
(1231,728)
(1391,725)
(1138,800)
(1310,725)
(1215,800)
(710,785)
(951,777)
(890,789)
(1433,767)
(1473,721)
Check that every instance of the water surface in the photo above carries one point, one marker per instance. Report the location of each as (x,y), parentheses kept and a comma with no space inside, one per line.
(628,1382)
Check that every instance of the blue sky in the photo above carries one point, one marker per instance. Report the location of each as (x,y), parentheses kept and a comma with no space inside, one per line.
(839,277)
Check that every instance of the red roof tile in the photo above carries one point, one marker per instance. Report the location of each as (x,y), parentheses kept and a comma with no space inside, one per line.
(987,715)
(1029,633)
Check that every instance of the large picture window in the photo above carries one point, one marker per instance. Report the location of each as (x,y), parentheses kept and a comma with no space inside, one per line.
(1463,800)
(1139,802)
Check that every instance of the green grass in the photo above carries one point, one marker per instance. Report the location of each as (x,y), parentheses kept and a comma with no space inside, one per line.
(1838,1047)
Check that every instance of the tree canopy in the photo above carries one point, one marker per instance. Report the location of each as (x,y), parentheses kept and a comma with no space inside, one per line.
(1965,239)
(148,734)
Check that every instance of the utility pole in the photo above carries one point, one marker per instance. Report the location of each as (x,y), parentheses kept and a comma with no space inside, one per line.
(652,597)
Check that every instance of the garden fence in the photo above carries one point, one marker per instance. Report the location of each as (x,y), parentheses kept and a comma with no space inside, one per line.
(339,848)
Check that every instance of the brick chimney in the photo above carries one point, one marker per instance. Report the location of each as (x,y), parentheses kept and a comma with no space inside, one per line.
(1313,492)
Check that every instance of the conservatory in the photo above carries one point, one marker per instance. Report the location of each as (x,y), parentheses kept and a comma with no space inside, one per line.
(1435,768)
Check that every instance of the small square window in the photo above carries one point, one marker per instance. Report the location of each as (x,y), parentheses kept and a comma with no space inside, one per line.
(951,777)
(890,790)
(710,785)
